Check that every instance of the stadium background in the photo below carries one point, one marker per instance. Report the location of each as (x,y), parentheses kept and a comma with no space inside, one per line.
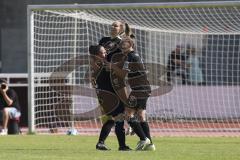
(13,41)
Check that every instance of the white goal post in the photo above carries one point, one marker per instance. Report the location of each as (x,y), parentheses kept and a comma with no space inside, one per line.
(191,51)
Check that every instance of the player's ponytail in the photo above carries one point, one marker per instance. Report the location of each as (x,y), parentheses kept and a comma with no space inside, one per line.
(128,31)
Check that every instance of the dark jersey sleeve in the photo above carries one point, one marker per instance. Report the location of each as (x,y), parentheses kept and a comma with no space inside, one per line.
(104,41)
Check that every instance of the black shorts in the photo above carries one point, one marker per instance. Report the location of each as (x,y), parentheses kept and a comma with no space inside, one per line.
(118,110)
(110,102)
(138,100)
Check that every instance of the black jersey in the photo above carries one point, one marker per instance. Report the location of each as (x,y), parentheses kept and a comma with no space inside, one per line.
(137,76)
(13,96)
(111,45)
(106,94)
(113,50)
(103,80)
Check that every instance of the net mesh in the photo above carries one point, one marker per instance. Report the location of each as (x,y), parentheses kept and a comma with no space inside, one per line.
(197,96)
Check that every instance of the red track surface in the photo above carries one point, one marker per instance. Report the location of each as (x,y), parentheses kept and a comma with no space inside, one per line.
(186,129)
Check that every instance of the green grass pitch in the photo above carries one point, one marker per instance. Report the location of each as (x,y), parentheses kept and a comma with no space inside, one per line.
(49,147)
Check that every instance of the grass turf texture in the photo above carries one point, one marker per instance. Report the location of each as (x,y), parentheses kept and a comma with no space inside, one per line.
(32,147)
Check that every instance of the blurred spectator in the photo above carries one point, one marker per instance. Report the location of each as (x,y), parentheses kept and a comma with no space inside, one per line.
(195,75)
(176,65)
(9,105)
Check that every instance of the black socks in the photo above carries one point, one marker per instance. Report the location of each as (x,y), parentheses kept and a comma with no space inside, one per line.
(146,130)
(106,129)
(137,128)
(120,133)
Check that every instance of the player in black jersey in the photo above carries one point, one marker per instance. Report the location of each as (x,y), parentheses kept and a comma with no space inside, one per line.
(101,80)
(111,44)
(134,69)
(108,100)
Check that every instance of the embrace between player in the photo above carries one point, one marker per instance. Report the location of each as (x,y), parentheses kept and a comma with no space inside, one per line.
(114,60)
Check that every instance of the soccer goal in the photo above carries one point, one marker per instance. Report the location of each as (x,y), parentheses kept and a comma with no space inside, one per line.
(191,51)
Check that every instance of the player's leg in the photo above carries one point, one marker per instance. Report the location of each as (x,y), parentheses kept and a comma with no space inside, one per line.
(145,126)
(108,123)
(107,100)
(120,132)
(134,123)
(122,94)
(141,114)
(118,116)
(144,123)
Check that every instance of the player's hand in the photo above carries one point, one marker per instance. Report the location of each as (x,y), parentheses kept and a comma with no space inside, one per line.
(2,91)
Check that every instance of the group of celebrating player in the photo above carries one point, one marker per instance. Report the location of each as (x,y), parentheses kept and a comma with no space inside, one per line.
(115,66)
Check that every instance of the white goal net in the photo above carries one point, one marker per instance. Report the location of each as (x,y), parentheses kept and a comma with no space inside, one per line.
(191,51)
